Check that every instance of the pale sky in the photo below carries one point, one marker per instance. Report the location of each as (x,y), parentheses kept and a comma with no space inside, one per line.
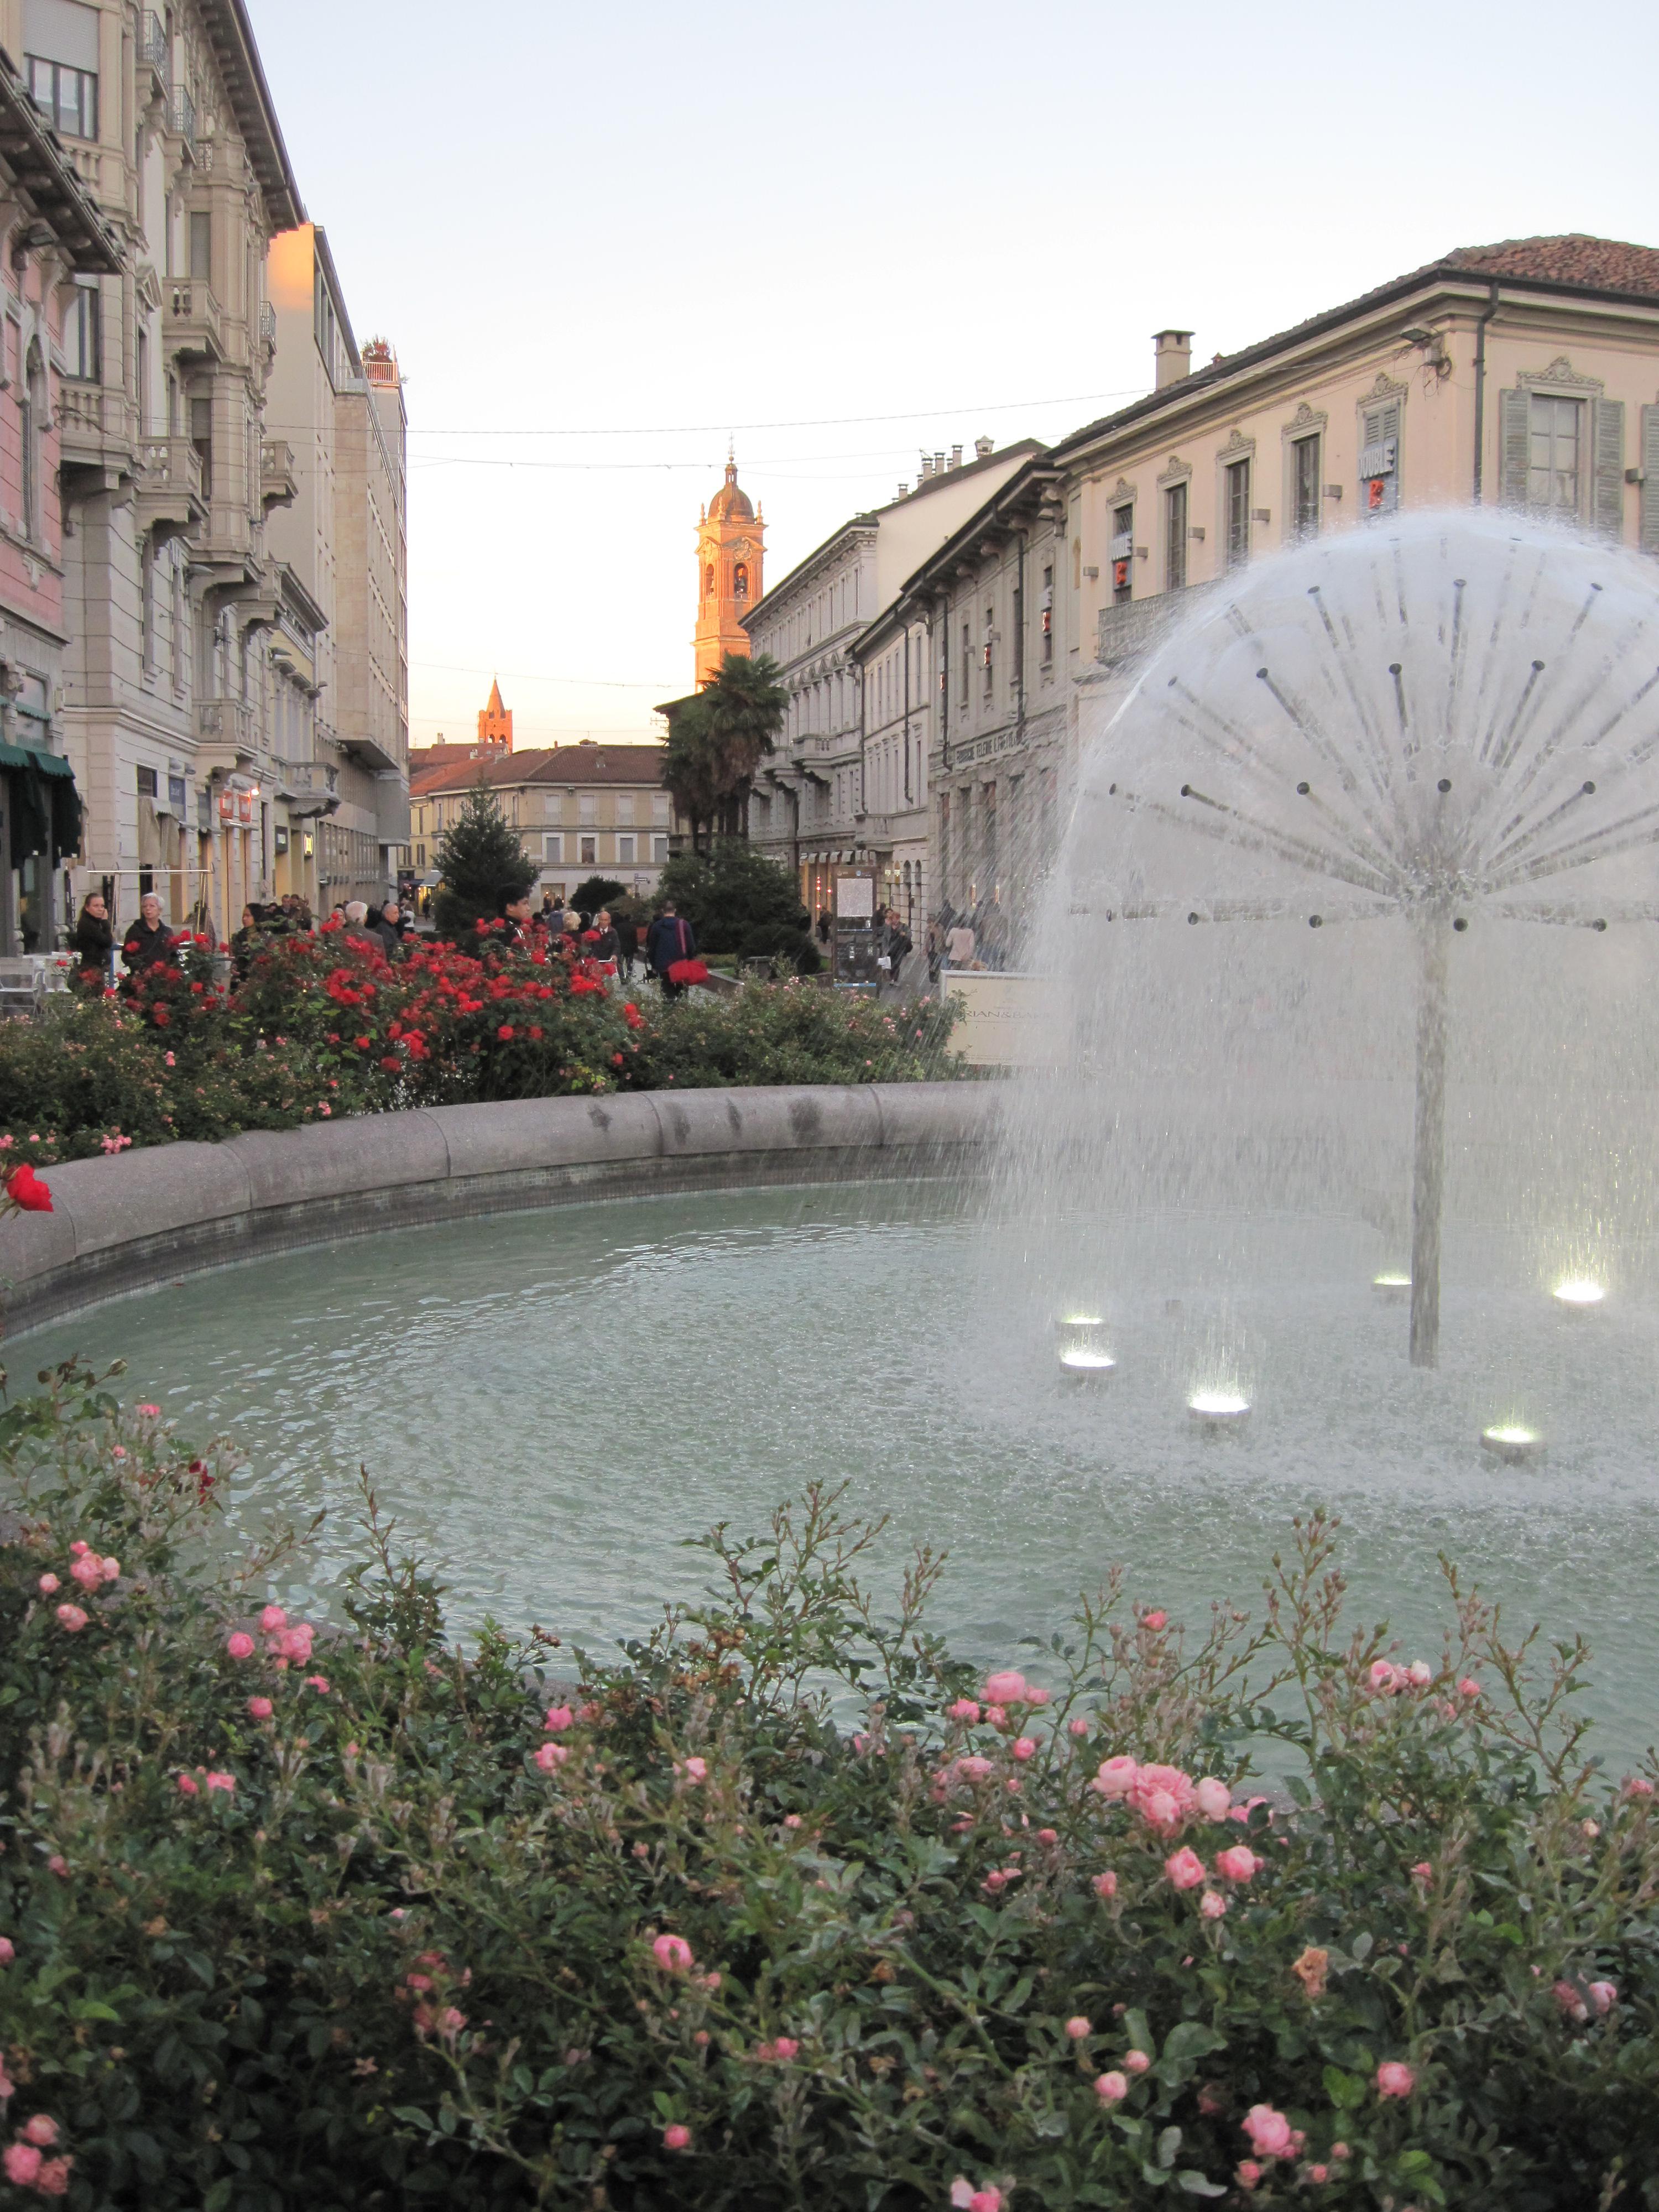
(600,236)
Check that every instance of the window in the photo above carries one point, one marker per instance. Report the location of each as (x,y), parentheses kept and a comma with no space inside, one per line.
(625,806)
(201,247)
(1174,537)
(587,807)
(201,436)
(147,785)
(660,848)
(1236,500)
(68,98)
(1304,487)
(709,581)
(1554,443)
(1019,637)
(660,806)
(967,662)
(1379,458)
(81,332)
(589,850)
(740,581)
(177,617)
(32,415)
(142,362)
(553,847)
(989,654)
(624,852)
(552,806)
(1048,616)
(147,603)
(1121,553)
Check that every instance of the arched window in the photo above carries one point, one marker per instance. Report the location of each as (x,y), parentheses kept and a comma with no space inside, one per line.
(32,409)
(709,581)
(740,580)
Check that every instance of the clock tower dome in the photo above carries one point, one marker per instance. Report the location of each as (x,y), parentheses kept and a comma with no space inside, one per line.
(730,550)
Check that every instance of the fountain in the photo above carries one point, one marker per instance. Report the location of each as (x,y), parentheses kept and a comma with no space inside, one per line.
(1370,845)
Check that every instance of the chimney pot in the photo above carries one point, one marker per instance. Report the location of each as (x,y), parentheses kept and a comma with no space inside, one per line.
(983,449)
(956,457)
(1172,357)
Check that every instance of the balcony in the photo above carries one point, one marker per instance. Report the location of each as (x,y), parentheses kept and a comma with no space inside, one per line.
(95,430)
(181,121)
(268,328)
(366,749)
(1128,631)
(308,787)
(224,733)
(171,501)
(278,486)
(153,53)
(192,324)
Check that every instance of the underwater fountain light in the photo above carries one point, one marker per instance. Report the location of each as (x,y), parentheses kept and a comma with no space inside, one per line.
(1218,1409)
(1084,1362)
(1512,1442)
(1392,1288)
(1579,1293)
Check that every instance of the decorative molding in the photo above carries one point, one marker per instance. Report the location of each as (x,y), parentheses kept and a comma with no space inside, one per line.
(1125,489)
(1238,447)
(1559,376)
(1386,387)
(1306,422)
(1179,472)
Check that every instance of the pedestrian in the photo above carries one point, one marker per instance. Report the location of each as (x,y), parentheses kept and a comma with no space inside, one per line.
(248,942)
(605,946)
(513,913)
(894,949)
(959,944)
(149,941)
(670,938)
(550,917)
(824,925)
(92,941)
(388,924)
(628,944)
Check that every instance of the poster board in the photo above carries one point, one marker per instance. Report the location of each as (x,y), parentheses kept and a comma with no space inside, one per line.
(854,943)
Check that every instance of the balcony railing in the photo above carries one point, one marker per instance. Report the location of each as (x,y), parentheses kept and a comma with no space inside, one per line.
(226,722)
(153,43)
(1127,630)
(267,323)
(90,418)
(309,787)
(193,322)
(277,485)
(181,118)
(170,497)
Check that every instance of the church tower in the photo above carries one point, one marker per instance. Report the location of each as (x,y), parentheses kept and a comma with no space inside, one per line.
(730,539)
(495,724)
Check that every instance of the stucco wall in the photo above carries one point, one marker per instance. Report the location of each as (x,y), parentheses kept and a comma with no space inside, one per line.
(141,1217)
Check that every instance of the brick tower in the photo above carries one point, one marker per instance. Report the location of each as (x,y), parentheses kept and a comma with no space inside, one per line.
(729,553)
(495,724)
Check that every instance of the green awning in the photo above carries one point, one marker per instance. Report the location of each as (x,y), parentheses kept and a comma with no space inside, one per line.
(34,756)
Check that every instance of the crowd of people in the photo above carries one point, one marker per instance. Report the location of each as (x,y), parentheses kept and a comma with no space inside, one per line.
(613,942)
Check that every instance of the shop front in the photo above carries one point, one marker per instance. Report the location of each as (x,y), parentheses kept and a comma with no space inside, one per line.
(40,830)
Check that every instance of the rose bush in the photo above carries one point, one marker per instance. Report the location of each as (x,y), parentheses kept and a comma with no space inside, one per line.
(325,1025)
(770,1911)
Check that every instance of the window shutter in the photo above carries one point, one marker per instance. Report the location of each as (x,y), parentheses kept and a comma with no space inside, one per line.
(1377,424)
(1607,511)
(1651,479)
(1512,447)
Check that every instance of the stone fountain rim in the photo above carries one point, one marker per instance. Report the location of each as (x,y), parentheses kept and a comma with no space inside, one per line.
(123,1225)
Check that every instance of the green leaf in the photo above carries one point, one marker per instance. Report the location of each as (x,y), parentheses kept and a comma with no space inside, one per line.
(1195,2183)
(1192,2039)
(1138,2028)
(410,2115)
(1361,1948)
(1298,1790)
(1345,2091)
(1167,2144)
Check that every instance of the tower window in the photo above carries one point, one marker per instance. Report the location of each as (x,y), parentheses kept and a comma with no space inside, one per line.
(709,581)
(740,580)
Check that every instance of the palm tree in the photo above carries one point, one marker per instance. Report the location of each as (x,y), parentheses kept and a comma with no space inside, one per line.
(718,740)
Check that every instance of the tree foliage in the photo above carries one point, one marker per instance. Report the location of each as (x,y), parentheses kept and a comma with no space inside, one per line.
(478,856)
(717,740)
(737,900)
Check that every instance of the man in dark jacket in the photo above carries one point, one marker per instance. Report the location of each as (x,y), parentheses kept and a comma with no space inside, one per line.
(513,911)
(670,938)
(148,942)
(628,945)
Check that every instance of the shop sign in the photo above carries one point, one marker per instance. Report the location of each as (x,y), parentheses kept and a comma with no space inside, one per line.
(227,806)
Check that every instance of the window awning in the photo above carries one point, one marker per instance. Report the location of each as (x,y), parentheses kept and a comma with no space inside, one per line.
(34,756)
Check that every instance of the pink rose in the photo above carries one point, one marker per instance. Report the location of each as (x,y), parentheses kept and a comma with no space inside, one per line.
(226,1782)
(240,1644)
(549,1756)
(1419,1675)
(1238,1863)
(672,1953)
(42,2129)
(964,1710)
(1116,1777)
(47,1584)
(1163,1796)
(1025,1748)
(1269,2131)
(1213,1798)
(7,1950)
(1005,1689)
(1077,1725)
(22,2163)
(1394,2079)
(1384,1677)
(1104,1885)
(272,1618)
(1571,2003)
(1603,1996)
(1184,1868)
(1155,1620)
(987,2199)
(260,1708)
(87,1571)
(111,1570)
(188,1786)
(1638,1786)
(786,2047)
(1247,2172)
(71,1618)
(1137,2062)
(1111,2088)
(697,1769)
(1212,1904)
(1077,2027)
(974,1768)
(559,1717)
(675,2136)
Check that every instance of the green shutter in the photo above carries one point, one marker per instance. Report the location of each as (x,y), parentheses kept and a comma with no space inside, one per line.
(1512,448)
(1651,479)
(1607,510)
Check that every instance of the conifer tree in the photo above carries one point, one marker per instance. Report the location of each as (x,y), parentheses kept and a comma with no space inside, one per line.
(478,856)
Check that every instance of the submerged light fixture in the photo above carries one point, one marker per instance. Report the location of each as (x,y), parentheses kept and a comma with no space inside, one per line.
(1579,1293)
(1392,1288)
(1084,1356)
(1512,1442)
(1220,1409)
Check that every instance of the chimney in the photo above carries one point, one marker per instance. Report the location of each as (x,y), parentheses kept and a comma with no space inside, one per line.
(925,469)
(904,491)
(1172,357)
(939,464)
(956,457)
(983,449)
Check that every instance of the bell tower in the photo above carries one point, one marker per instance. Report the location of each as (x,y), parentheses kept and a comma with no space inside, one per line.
(495,724)
(730,552)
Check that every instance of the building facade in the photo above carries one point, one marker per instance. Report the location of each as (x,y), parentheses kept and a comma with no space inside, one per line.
(731,568)
(58,248)
(590,809)
(811,807)
(340,743)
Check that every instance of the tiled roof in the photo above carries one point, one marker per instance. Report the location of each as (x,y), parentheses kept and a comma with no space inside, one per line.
(1600,265)
(503,771)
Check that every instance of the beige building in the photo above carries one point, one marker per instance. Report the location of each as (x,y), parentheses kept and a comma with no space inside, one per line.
(1525,373)
(813,805)
(338,654)
(591,809)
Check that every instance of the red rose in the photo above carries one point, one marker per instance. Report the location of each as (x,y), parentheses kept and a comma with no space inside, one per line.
(26,1190)
(392,1065)
(536,1033)
(616,1060)
(363,1044)
(161,1016)
(505,1032)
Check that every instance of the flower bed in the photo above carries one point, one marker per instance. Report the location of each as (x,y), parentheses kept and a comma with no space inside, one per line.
(325,1026)
(345,1918)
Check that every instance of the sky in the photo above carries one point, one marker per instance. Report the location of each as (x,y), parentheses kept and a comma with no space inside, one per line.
(602,238)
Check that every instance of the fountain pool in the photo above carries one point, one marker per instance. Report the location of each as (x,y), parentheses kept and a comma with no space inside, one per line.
(552,1404)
